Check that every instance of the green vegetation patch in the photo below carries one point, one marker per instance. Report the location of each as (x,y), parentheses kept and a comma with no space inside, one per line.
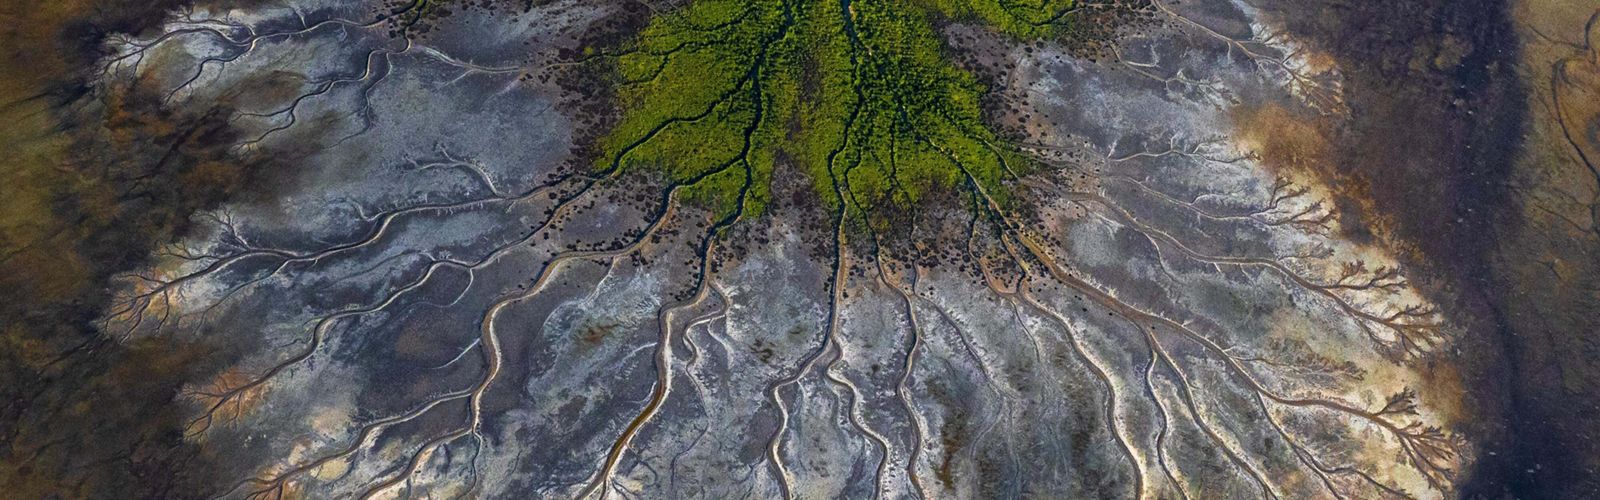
(857,93)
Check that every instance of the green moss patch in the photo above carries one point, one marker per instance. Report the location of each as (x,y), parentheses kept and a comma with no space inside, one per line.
(859,94)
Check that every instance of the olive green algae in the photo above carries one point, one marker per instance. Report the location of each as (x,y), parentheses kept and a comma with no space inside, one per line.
(859,94)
